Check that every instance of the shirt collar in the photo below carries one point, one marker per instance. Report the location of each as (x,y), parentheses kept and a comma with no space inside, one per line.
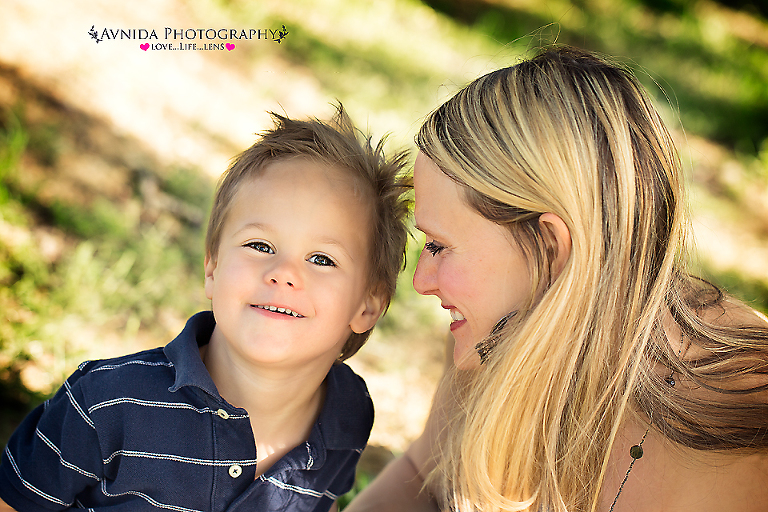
(346,418)
(184,353)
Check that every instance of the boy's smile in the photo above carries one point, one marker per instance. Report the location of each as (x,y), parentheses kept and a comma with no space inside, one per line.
(280,310)
(289,282)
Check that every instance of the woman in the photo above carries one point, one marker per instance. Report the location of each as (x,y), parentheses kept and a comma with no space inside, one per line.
(592,373)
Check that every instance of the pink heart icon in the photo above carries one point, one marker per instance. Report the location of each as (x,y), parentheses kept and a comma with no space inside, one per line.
(230,47)
(144,46)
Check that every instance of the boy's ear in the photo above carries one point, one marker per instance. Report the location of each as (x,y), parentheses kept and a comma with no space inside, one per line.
(368,314)
(210,266)
(557,236)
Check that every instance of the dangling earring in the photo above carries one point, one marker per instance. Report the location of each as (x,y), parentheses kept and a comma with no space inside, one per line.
(671,378)
(485,347)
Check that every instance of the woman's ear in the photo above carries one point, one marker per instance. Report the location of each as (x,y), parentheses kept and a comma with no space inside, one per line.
(557,237)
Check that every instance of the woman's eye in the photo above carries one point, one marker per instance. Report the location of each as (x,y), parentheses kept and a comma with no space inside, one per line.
(434,248)
(261,247)
(321,260)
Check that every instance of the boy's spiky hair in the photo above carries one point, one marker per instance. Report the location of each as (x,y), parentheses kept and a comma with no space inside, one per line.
(382,182)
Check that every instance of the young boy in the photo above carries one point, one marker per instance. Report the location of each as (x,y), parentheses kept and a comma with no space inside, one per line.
(250,407)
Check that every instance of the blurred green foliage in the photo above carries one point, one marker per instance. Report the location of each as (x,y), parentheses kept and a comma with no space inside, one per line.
(714,74)
(114,271)
(361,482)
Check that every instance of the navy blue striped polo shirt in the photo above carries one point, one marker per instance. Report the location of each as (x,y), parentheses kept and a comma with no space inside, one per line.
(150,432)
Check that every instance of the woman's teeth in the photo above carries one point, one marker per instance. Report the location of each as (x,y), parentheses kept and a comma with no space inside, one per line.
(285,311)
(456,315)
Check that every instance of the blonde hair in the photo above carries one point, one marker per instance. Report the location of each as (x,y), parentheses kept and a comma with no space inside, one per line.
(569,133)
(382,182)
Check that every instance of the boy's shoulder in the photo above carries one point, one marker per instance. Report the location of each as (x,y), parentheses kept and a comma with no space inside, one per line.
(150,358)
(149,371)
(347,415)
(103,379)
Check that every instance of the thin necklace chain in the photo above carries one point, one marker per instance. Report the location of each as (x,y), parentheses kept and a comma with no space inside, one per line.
(636,451)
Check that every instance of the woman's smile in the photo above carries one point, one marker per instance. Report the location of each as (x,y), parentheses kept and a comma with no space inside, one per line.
(472,264)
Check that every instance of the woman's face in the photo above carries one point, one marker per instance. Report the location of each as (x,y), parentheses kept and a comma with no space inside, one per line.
(471,264)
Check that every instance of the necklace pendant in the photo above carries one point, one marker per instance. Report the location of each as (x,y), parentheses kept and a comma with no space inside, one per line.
(636,452)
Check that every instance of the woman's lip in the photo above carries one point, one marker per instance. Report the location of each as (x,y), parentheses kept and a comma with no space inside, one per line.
(457,318)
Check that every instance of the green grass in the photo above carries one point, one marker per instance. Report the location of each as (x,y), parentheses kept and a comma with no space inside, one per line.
(361,482)
(114,276)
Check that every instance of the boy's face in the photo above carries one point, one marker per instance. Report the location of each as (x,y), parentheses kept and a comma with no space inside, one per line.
(295,238)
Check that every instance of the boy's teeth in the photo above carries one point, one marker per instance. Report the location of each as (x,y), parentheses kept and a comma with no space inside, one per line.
(456,316)
(280,310)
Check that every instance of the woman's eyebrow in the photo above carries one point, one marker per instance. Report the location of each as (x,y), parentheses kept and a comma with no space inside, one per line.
(427,231)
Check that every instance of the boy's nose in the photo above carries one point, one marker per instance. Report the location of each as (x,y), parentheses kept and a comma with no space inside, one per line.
(284,273)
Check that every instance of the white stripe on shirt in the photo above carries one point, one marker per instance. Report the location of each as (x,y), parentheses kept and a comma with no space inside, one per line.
(29,485)
(136,361)
(61,459)
(295,488)
(179,458)
(165,405)
(77,406)
(147,498)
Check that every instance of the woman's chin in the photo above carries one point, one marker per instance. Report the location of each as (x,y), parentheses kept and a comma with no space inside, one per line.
(465,358)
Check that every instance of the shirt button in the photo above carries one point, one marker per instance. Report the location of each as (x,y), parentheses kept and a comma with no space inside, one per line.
(235,470)
(223,414)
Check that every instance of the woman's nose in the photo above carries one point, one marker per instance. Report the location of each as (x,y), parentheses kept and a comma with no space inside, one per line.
(424,278)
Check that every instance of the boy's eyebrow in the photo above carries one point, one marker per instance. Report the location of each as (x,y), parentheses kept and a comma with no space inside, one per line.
(253,225)
(336,243)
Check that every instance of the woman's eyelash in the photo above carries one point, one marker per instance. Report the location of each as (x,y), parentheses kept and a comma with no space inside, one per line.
(433,248)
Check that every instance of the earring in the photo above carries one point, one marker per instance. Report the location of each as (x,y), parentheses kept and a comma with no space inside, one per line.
(485,347)
(670,380)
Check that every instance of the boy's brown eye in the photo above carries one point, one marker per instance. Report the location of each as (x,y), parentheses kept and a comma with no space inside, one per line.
(321,260)
(261,247)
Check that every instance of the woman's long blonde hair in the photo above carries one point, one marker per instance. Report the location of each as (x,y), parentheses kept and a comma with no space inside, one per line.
(569,133)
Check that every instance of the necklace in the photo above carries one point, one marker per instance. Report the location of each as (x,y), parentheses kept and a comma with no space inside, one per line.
(636,451)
